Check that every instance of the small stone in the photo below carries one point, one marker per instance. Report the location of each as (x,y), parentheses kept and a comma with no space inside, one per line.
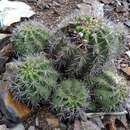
(98,122)
(18,127)
(2,36)
(11,67)
(61,1)
(129,45)
(128,53)
(7,51)
(5,54)
(37,121)
(46,6)
(106,1)
(54,122)
(31,128)
(127,23)
(3,127)
(126,70)
(85,9)
(77,125)
(121,9)
(88,125)
(98,10)
(56,4)
(108,8)
(63,126)
(88,1)
(123,65)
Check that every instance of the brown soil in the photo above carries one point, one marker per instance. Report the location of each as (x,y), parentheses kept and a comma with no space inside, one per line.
(118,12)
(51,12)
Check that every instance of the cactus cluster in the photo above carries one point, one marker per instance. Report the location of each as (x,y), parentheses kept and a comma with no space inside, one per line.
(29,38)
(59,75)
(34,81)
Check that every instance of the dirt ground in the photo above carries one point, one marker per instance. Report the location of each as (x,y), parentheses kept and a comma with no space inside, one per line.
(52,12)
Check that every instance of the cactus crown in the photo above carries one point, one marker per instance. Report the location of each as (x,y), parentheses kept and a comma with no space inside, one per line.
(34,81)
(87,48)
(29,38)
(69,98)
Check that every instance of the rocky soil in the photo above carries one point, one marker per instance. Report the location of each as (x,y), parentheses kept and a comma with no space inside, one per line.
(55,14)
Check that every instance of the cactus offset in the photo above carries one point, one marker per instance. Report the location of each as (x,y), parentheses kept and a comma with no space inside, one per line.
(108,92)
(34,81)
(29,37)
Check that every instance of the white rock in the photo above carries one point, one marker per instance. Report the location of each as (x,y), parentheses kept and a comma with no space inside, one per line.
(85,9)
(87,1)
(2,36)
(37,121)
(18,127)
(3,127)
(31,128)
(98,11)
(106,1)
(89,8)
(13,11)
(128,53)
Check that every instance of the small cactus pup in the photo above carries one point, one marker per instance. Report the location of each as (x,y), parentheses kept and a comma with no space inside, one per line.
(69,99)
(109,92)
(34,81)
(29,37)
(84,48)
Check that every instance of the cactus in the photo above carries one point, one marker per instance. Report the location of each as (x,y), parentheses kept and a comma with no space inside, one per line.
(29,38)
(34,81)
(70,98)
(108,92)
(87,49)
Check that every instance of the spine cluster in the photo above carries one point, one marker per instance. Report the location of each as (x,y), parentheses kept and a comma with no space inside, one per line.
(68,71)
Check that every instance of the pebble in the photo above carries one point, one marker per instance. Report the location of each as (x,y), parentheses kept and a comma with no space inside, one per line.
(61,1)
(54,122)
(18,127)
(98,10)
(87,1)
(85,9)
(106,1)
(126,70)
(3,127)
(88,125)
(127,23)
(31,128)
(36,121)
(128,53)
(88,8)
(2,36)
(56,4)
